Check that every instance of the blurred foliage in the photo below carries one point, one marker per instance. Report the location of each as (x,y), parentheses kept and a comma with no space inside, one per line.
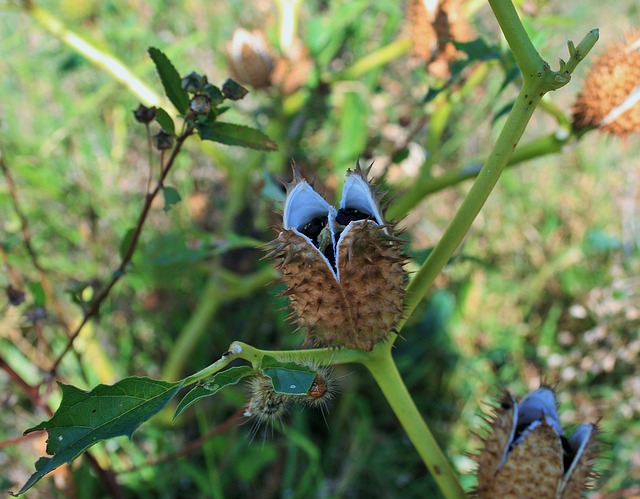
(545,288)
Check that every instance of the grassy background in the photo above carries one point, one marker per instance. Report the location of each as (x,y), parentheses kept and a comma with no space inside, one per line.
(546,286)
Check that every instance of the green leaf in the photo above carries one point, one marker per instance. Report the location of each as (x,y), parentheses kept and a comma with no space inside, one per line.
(351,135)
(165,121)
(126,241)
(171,197)
(221,380)
(85,418)
(288,377)
(236,135)
(170,79)
(478,49)
(37,294)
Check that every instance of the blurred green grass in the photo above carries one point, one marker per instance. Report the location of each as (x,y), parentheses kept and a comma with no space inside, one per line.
(545,289)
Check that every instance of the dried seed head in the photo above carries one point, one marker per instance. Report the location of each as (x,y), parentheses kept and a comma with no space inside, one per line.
(145,114)
(527,454)
(322,390)
(265,404)
(162,141)
(249,58)
(343,268)
(291,71)
(610,98)
(432,25)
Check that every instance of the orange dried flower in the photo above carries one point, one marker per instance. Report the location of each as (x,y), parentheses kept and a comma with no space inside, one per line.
(610,98)
(432,25)
(343,268)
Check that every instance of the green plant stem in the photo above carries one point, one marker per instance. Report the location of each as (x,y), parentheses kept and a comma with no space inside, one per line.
(221,287)
(537,148)
(385,372)
(109,63)
(537,80)
(380,363)
(375,59)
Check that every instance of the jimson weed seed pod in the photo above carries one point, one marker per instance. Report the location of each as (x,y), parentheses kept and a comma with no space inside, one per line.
(343,267)
(527,455)
(610,97)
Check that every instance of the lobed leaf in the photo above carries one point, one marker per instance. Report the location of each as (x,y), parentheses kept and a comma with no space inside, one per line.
(108,411)
(170,79)
(236,135)
(221,380)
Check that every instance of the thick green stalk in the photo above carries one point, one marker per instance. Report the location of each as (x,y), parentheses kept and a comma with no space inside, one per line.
(384,371)
(538,79)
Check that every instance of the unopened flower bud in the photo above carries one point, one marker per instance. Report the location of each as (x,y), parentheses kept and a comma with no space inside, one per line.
(232,90)
(200,104)
(249,58)
(145,114)
(162,141)
(193,82)
(14,295)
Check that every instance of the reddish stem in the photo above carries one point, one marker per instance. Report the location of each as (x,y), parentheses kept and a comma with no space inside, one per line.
(128,254)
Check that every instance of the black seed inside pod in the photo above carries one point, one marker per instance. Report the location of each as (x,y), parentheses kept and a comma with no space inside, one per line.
(520,429)
(346,215)
(568,454)
(313,228)
(330,253)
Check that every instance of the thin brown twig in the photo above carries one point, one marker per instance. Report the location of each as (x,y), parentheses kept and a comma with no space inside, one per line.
(194,444)
(47,287)
(128,254)
(31,391)
(16,440)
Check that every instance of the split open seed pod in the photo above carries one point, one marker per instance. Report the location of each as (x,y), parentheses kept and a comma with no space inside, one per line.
(527,454)
(343,267)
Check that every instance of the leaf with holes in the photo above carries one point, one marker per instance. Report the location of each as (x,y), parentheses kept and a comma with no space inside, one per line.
(108,411)
(288,377)
(222,379)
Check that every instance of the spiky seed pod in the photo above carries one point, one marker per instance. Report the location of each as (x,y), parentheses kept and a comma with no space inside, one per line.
(343,268)
(526,455)
(249,57)
(610,98)
(265,404)
(432,25)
